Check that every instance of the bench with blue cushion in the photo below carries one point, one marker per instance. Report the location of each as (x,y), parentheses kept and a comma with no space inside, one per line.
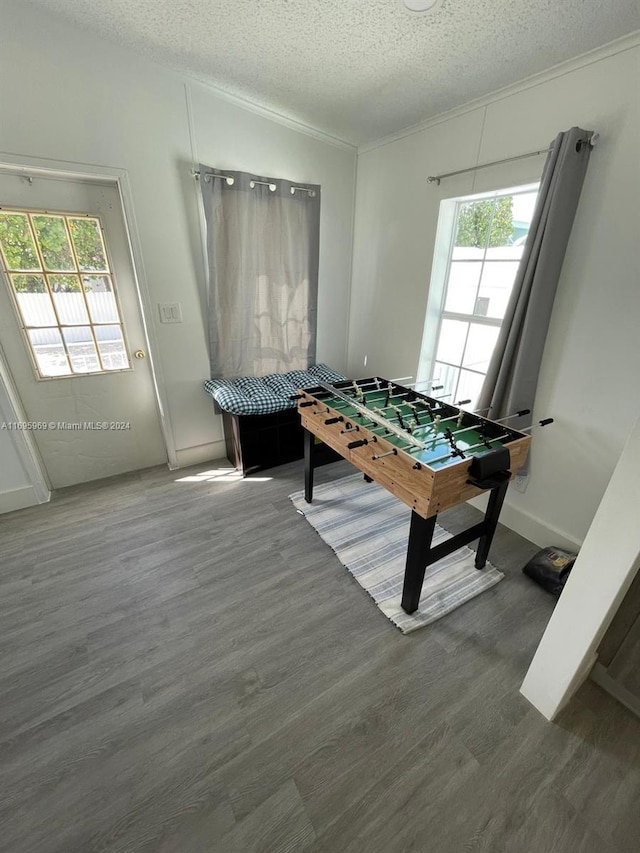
(261,422)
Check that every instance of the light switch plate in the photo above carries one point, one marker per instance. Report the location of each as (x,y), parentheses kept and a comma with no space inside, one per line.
(170,312)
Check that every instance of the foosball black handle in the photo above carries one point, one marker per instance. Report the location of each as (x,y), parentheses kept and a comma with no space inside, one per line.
(337,420)
(308,403)
(545,422)
(353,444)
(491,482)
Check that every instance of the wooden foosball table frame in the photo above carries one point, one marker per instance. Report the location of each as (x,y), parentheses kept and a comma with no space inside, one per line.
(427,489)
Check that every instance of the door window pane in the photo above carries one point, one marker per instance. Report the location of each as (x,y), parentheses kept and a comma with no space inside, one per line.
(33,300)
(16,242)
(53,240)
(82,349)
(111,346)
(100,298)
(87,241)
(49,352)
(68,299)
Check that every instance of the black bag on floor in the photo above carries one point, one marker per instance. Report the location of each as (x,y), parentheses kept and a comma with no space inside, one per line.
(550,568)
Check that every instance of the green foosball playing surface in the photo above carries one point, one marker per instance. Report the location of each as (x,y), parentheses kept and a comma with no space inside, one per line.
(419,423)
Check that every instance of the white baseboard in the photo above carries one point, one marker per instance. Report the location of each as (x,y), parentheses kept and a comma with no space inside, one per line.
(534,529)
(20,498)
(202,453)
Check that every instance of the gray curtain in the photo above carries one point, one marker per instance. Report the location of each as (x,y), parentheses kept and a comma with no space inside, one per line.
(262,249)
(512,378)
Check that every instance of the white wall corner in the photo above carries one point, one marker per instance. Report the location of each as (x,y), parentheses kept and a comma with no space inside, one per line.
(599,580)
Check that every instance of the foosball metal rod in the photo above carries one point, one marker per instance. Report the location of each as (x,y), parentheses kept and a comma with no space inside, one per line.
(417,399)
(519,414)
(383,422)
(541,423)
(427,409)
(466,429)
(453,417)
(469,449)
(490,439)
(424,382)
(393,452)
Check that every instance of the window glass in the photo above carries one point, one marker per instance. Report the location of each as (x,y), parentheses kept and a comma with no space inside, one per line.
(453,335)
(49,351)
(464,279)
(489,236)
(496,285)
(58,273)
(480,343)
(81,348)
(53,240)
(16,240)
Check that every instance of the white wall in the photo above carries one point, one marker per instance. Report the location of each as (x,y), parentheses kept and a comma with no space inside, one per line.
(589,375)
(597,584)
(66,95)
(16,490)
(20,483)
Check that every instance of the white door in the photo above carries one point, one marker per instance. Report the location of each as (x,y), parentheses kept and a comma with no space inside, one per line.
(71,329)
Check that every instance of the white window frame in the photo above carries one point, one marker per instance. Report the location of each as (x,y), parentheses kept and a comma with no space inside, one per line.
(443,253)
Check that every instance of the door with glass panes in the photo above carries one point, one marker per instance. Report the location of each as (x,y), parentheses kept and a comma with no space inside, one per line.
(71,329)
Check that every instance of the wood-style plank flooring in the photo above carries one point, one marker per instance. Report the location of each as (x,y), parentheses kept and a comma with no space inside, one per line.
(187,668)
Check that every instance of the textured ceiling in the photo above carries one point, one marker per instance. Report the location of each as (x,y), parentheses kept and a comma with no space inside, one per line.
(357,69)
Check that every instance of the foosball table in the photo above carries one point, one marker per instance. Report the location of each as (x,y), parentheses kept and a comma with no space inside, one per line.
(430,454)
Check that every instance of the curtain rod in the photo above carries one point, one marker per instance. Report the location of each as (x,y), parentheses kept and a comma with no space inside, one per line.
(209,176)
(435,179)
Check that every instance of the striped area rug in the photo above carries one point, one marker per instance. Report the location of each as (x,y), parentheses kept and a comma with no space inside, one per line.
(368,528)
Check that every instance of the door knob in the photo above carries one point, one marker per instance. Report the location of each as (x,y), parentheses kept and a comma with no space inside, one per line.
(139,353)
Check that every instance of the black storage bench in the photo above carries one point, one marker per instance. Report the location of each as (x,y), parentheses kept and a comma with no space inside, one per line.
(261,421)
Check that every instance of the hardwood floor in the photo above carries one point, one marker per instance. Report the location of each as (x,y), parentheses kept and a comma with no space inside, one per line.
(187,668)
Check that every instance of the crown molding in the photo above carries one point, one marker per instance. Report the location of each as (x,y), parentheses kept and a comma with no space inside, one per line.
(271,114)
(596,55)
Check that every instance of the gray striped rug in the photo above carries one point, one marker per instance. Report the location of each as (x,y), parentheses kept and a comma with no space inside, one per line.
(368,528)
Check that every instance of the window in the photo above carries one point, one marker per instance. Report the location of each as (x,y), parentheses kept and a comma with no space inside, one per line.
(62,287)
(479,244)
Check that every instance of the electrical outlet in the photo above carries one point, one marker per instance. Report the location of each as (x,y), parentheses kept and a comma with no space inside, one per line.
(520,483)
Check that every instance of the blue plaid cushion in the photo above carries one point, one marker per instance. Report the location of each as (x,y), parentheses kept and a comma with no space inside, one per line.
(252,395)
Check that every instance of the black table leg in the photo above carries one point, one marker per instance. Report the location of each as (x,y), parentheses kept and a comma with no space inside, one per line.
(491,517)
(309,447)
(418,549)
